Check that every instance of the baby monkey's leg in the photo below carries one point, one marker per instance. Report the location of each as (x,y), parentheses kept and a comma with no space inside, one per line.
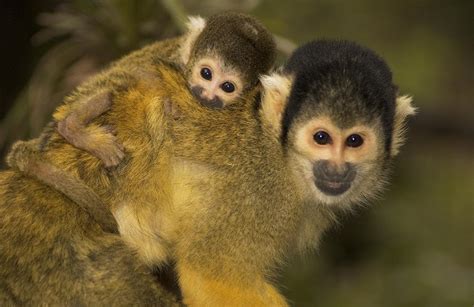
(28,159)
(200,288)
(99,141)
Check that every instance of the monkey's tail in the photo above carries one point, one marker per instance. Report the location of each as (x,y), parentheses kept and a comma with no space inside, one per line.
(26,157)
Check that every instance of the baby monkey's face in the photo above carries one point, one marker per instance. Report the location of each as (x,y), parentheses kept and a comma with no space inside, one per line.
(215,84)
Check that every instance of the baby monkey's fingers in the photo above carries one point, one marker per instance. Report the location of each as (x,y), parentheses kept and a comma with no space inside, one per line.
(101,143)
(110,153)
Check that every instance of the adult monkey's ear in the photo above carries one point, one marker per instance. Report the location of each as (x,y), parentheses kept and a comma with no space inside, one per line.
(403,109)
(276,90)
(194,26)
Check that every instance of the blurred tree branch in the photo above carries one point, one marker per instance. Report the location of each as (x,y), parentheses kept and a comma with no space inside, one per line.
(177,12)
(284,45)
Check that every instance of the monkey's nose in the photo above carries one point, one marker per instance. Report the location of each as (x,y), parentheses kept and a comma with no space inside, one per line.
(208,95)
(334,172)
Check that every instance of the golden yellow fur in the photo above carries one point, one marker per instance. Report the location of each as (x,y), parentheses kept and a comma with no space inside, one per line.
(175,179)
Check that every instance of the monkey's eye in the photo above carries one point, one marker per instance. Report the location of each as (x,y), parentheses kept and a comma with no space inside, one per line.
(322,138)
(206,73)
(354,140)
(228,87)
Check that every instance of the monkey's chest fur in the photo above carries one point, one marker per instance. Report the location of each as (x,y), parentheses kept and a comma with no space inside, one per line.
(230,194)
(222,218)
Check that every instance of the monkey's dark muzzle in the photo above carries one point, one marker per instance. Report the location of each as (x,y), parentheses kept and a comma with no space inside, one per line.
(332,180)
(332,188)
(214,103)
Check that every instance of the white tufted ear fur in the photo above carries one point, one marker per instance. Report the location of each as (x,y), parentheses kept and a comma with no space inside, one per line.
(276,89)
(403,109)
(195,25)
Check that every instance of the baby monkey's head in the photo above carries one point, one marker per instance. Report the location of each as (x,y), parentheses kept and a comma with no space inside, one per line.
(227,56)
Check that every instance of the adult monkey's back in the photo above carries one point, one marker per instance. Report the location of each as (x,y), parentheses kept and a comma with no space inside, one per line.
(52,252)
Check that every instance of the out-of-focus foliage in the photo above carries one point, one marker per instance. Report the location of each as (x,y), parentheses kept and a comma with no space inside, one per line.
(81,37)
(412,248)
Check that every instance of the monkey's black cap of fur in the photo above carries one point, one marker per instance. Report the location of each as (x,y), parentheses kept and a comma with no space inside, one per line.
(343,79)
(241,40)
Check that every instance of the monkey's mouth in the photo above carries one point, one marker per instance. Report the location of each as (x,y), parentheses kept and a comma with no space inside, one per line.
(215,103)
(333,188)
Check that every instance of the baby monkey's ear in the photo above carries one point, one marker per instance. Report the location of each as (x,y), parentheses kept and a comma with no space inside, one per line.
(194,26)
(276,90)
(403,109)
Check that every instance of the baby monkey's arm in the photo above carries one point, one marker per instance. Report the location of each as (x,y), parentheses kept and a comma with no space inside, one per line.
(97,140)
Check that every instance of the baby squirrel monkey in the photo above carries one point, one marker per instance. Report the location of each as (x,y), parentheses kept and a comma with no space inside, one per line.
(222,58)
(228,195)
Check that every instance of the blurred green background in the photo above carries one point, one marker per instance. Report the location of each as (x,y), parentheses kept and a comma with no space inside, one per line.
(415,246)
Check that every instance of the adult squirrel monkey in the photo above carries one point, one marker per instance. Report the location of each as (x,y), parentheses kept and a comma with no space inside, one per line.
(249,187)
(228,195)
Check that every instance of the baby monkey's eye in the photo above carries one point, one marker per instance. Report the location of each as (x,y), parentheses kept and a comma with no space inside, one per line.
(228,87)
(206,73)
(354,140)
(322,138)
